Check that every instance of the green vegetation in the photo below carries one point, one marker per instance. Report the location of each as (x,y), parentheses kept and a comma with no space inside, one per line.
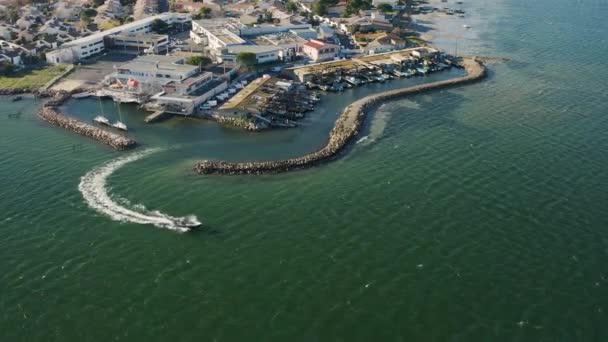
(354,6)
(203,13)
(159,26)
(385,8)
(246,59)
(30,79)
(291,7)
(108,24)
(201,61)
(266,17)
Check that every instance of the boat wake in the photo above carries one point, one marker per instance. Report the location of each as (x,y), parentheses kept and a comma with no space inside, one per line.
(93,188)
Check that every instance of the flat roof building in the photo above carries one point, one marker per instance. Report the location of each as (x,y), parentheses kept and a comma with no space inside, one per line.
(94,44)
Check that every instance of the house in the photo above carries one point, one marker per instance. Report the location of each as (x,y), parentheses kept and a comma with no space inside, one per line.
(12,56)
(240,7)
(325,31)
(8,31)
(26,21)
(110,10)
(47,41)
(55,26)
(319,51)
(384,43)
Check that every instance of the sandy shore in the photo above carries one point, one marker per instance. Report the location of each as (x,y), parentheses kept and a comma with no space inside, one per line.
(446,32)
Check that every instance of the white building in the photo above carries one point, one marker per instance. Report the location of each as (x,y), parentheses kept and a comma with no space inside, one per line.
(217,33)
(319,51)
(94,44)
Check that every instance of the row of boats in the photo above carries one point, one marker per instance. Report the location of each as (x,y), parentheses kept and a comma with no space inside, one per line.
(101,119)
(342,82)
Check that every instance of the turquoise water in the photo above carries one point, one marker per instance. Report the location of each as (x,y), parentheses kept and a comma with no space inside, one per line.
(470,214)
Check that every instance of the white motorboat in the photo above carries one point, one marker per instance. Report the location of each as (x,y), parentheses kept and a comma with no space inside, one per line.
(81,95)
(466,26)
(101,120)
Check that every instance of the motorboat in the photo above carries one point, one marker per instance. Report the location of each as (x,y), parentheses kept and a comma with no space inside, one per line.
(100,119)
(17,98)
(81,95)
(120,125)
(466,26)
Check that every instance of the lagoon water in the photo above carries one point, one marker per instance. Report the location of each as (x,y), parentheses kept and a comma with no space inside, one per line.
(472,214)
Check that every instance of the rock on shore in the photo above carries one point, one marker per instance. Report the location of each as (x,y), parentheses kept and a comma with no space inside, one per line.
(346,127)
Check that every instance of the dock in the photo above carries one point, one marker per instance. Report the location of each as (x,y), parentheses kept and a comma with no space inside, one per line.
(159,114)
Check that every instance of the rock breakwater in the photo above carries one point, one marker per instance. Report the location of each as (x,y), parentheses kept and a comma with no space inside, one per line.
(50,114)
(345,129)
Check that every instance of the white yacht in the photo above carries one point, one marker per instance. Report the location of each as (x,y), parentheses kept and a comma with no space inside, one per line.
(119,125)
(102,120)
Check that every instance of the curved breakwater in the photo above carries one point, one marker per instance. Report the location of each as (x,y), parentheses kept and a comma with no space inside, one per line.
(346,127)
(50,114)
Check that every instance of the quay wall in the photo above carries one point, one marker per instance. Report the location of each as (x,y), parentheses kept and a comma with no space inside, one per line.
(50,114)
(345,129)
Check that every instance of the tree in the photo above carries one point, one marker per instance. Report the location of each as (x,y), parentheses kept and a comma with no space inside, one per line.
(6,68)
(159,26)
(97,3)
(268,16)
(86,16)
(204,12)
(201,61)
(320,8)
(354,28)
(354,6)
(246,59)
(291,7)
(129,20)
(384,8)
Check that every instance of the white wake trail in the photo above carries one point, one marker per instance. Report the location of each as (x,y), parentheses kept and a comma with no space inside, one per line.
(93,188)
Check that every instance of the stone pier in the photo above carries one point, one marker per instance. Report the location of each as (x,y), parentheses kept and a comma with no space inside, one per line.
(345,129)
(50,114)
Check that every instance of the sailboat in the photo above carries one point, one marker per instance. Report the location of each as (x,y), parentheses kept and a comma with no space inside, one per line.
(119,124)
(100,118)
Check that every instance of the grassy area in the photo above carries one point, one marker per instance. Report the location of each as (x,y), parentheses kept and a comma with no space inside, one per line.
(31,79)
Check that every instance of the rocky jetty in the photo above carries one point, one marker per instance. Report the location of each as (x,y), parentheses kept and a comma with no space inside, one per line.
(238,122)
(346,128)
(50,114)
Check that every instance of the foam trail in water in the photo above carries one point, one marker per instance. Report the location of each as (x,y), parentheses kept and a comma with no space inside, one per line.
(93,188)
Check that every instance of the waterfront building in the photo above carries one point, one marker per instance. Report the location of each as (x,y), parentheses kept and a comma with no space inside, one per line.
(169,82)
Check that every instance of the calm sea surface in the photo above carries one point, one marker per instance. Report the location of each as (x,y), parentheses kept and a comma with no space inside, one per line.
(478,213)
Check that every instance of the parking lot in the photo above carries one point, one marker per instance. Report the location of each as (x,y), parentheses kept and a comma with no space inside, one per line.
(89,73)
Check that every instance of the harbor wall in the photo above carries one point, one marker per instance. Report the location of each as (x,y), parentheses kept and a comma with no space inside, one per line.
(345,129)
(52,115)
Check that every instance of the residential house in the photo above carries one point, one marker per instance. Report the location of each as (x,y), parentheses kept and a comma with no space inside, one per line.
(240,7)
(319,51)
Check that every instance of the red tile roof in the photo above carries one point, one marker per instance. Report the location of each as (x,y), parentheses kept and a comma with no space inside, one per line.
(314,44)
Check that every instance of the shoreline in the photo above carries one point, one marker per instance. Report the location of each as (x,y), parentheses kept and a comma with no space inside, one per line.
(345,129)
